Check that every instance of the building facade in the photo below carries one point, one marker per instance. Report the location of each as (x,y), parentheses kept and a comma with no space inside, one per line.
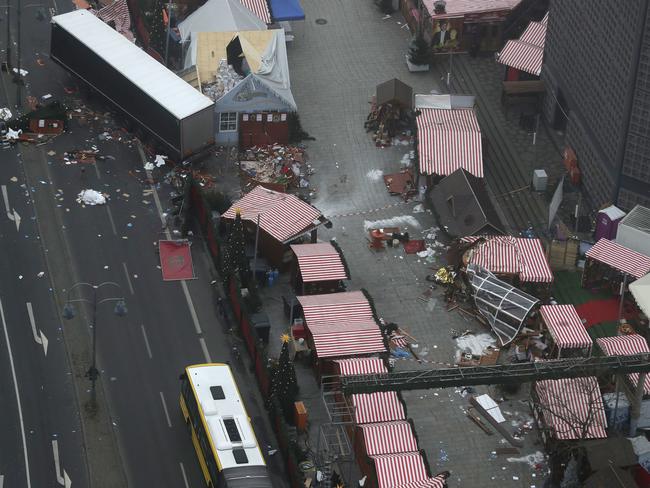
(597,74)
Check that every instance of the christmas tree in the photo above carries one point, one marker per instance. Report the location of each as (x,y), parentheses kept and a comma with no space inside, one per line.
(234,258)
(419,51)
(284,385)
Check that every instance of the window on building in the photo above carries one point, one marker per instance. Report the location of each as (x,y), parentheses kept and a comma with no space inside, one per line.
(228,122)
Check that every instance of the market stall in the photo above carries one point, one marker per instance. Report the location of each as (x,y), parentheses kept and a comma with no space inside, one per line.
(567,331)
(318,268)
(611,263)
(525,55)
(392,470)
(626,345)
(570,409)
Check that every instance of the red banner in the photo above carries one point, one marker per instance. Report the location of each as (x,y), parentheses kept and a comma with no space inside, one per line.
(176,260)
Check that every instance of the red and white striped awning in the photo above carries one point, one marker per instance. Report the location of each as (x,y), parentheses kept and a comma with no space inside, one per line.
(333,340)
(397,469)
(565,326)
(282,216)
(382,406)
(260,8)
(348,367)
(118,13)
(389,438)
(626,345)
(435,482)
(526,53)
(572,407)
(512,255)
(335,308)
(449,140)
(620,257)
(319,262)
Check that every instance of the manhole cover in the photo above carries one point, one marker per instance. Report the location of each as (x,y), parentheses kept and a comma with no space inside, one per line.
(321,21)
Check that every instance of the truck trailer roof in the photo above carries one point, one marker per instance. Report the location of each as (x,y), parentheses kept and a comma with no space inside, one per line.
(170,91)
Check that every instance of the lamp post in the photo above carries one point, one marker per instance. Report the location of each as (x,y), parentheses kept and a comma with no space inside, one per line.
(69,312)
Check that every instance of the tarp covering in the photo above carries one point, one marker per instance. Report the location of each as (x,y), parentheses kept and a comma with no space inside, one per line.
(319,262)
(389,437)
(448,140)
(282,216)
(504,306)
(354,366)
(383,406)
(176,260)
(640,290)
(282,10)
(620,258)
(627,345)
(274,68)
(260,8)
(572,407)
(512,255)
(565,326)
(220,16)
(397,469)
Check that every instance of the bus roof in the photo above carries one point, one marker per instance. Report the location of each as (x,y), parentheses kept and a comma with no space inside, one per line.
(225,416)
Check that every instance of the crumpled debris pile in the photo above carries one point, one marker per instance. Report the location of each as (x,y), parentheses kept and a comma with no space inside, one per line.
(5,114)
(12,135)
(158,162)
(81,156)
(225,80)
(91,197)
(283,165)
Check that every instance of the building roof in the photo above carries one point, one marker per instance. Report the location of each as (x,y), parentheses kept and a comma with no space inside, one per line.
(348,367)
(565,326)
(572,407)
(260,8)
(319,262)
(398,469)
(449,140)
(526,53)
(336,308)
(389,437)
(167,89)
(335,341)
(457,8)
(620,257)
(638,218)
(220,16)
(463,206)
(395,91)
(613,212)
(382,406)
(284,217)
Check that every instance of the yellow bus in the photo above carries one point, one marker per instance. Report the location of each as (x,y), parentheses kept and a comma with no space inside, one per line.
(222,434)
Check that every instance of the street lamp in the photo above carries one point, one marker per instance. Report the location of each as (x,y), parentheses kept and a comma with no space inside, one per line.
(69,312)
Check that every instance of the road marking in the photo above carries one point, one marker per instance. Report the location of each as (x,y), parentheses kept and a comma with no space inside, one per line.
(206,353)
(20,408)
(146,341)
(11,214)
(63,480)
(187,485)
(186,292)
(2,480)
(162,399)
(99,176)
(39,337)
(110,217)
(128,279)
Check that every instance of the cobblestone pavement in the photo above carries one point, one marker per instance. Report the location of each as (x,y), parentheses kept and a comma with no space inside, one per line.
(334,70)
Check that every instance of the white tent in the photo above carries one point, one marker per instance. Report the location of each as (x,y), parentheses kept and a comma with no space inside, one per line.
(220,16)
(640,290)
(274,68)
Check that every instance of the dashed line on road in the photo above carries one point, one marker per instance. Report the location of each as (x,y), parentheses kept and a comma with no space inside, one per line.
(2,481)
(206,353)
(110,217)
(146,341)
(187,485)
(162,399)
(17,392)
(128,279)
(99,176)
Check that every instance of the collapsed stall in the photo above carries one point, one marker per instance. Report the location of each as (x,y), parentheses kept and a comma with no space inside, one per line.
(390,111)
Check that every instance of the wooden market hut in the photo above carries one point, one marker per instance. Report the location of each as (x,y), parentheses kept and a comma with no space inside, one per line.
(318,268)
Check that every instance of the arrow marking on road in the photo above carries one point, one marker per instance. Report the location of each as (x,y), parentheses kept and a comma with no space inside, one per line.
(5,197)
(16,219)
(65,479)
(39,337)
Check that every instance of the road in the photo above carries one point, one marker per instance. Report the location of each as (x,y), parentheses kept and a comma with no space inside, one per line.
(140,356)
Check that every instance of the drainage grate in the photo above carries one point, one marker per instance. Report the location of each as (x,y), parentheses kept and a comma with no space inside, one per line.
(321,21)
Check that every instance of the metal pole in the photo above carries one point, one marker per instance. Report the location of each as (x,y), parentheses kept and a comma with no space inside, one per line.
(618,388)
(92,372)
(257,238)
(575,227)
(8,37)
(169,24)
(19,79)
(636,406)
(620,304)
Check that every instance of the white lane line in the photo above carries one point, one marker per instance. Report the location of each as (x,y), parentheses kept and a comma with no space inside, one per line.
(5,197)
(146,341)
(128,279)
(110,217)
(20,408)
(186,292)
(2,481)
(162,399)
(99,176)
(206,353)
(187,485)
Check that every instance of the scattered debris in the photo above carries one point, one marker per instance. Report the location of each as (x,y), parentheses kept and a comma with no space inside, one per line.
(91,197)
